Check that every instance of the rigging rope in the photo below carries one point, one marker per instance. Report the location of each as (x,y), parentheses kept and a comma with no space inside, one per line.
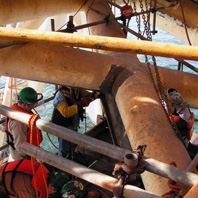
(174,186)
(185,26)
(31,123)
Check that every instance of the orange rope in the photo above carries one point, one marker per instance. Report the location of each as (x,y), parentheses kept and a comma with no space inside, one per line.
(31,123)
(174,186)
(31,126)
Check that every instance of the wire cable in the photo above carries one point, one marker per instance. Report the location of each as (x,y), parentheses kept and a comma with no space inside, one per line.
(85,1)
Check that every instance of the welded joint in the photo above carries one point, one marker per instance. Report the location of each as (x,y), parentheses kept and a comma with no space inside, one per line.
(116,76)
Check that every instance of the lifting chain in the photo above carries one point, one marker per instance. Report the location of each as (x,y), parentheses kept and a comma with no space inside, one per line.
(158,86)
(137,18)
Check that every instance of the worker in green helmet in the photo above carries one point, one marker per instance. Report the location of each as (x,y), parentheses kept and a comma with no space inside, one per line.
(18,132)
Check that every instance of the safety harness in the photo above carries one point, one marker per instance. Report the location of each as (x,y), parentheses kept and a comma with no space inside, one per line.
(24,166)
(9,136)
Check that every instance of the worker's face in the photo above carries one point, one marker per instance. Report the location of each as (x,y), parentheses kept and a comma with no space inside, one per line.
(29,107)
(26,107)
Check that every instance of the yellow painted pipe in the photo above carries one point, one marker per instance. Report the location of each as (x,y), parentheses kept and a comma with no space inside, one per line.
(101,42)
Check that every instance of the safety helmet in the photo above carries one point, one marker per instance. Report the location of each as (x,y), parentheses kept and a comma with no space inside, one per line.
(29,95)
(73,189)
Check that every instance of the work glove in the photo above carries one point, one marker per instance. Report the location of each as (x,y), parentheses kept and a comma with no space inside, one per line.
(95,95)
(84,102)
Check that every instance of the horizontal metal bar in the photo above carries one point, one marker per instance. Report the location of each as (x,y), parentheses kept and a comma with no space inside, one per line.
(87,174)
(102,43)
(104,148)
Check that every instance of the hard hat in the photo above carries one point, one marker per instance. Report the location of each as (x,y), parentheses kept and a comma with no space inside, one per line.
(29,95)
(74,189)
(61,178)
(170,103)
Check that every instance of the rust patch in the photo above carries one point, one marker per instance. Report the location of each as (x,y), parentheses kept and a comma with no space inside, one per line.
(114,79)
(100,45)
(133,112)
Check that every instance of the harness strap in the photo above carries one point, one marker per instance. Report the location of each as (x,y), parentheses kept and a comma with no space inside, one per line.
(3,179)
(14,173)
(11,143)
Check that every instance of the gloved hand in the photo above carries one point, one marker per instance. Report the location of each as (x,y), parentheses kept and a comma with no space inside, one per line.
(95,95)
(84,102)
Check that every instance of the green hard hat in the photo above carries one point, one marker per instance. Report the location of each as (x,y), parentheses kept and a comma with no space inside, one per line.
(60,179)
(73,189)
(29,95)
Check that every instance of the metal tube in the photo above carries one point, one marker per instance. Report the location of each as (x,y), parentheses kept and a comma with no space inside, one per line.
(102,43)
(146,123)
(83,172)
(192,166)
(104,148)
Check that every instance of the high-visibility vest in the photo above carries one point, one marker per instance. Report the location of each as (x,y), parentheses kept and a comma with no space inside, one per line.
(25,166)
(10,140)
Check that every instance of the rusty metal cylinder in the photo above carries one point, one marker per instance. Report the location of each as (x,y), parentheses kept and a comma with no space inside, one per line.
(146,123)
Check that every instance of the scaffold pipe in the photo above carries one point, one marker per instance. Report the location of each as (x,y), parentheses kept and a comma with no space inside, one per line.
(104,148)
(102,43)
(83,172)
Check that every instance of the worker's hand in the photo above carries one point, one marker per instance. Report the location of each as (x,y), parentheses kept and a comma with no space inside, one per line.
(97,94)
(84,102)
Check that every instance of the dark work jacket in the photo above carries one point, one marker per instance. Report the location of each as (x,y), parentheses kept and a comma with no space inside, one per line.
(70,122)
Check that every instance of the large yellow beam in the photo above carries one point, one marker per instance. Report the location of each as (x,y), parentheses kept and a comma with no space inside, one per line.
(101,42)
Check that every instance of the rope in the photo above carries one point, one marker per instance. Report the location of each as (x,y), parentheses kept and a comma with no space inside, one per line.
(31,123)
(184,22)
(174,186)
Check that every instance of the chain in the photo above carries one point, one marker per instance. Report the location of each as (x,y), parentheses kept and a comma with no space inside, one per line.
(158,88)
(137,18)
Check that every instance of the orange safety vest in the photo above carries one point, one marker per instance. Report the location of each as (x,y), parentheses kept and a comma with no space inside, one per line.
(25,166)
(185,129)
(35,131)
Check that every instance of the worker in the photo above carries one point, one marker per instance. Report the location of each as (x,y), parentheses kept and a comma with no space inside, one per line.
(18,132)
(180,113)
(68,110)
(25,178)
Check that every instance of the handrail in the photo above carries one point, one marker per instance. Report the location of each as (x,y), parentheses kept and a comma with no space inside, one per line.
(87,174)
(104,148)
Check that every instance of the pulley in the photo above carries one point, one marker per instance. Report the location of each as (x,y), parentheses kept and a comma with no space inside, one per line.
(126,10)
